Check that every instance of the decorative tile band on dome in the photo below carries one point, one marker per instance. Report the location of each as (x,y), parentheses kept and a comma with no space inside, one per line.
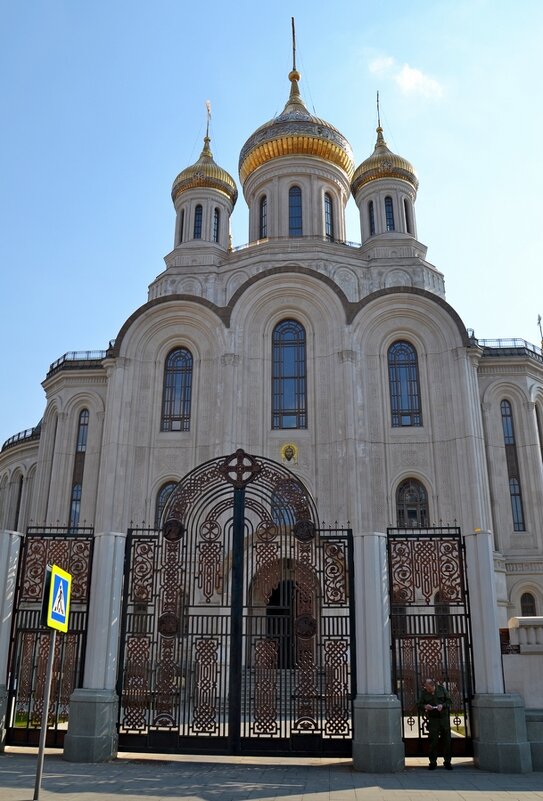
(389,169)
(198,179)
(295,138)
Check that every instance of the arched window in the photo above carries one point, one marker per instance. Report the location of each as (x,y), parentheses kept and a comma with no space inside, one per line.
(176,397)
(289,376)
(216,224)
(328,218)
(75,505)
(511,458)
(197,222)
(408,221)
(161,500)
(539,429)
(181,225)
(19,501)
(389,214)
(403,376)
(295,211)
(411,504)
(82,431)
(527,605)
(263,218)
(371,217)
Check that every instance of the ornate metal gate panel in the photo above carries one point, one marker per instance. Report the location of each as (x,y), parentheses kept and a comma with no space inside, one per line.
(431,635)
(70,549)
(237,633)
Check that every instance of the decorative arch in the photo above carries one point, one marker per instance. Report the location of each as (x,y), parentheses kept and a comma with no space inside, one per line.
(412,504)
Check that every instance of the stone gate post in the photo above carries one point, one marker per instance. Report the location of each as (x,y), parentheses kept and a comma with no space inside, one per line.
(500,740)
(10,545)
(377,736)
(92,728)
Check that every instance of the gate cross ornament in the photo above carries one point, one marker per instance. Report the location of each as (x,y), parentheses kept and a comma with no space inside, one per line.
(240,468)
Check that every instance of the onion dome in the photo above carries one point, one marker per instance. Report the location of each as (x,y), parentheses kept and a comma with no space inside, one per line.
(205,173)
(295,132)
(383,163)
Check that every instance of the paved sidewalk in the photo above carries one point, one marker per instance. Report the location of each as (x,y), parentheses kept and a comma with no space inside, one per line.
(165,778)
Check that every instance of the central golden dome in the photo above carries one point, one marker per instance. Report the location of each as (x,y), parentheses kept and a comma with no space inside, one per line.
(295,132)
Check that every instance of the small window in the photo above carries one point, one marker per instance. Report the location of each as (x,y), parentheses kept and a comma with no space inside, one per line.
(289,376)
(389,214)
(371,217)
(162,498)
(181,225)
(527,605)
(177,391)
(198,222)
(295,211)
(75,505)
(328,218)
(411,504)
(263,218)
(403,375)
(216,224)
(407,210)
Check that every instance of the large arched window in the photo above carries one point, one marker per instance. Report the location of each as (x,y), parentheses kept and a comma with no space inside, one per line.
(295,211)
(161,500)
(177,392)
(389,214)
(511,458)
(197,222)
(79,467)
(263,218)
(289,402)
(371,217)
(527,605)
(216,224)
(328,218)
(411,504)
(403,376)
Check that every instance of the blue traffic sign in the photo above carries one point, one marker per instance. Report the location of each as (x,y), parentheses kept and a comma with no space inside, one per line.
(58,606)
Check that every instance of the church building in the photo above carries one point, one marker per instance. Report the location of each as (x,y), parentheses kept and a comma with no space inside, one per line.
(292,484)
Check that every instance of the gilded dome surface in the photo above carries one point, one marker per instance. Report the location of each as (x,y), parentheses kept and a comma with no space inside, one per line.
(205,173)
(383,163)
(295,132)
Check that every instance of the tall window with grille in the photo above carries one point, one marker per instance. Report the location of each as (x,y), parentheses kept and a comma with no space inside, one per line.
(79,467)
(263,218)
(404,384)
(162,497)
(295,227)
(197,234)
(389,214)
(328,218)
(527,605)
(371,217)
(407,211)
(289,400)
(513,471)
(411,504)
(181,225)
(216,224)
(177,391)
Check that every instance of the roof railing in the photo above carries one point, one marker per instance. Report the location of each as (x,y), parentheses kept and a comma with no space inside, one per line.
(23,436)
(77,359)
(293,239)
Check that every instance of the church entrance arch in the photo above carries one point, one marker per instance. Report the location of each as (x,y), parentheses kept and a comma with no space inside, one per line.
(238,631)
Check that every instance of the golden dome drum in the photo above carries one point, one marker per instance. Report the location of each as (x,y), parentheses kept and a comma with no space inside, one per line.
(205,173)
(383,163)
(295,132)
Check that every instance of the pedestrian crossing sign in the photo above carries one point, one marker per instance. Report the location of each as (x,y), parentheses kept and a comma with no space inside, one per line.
(58,605)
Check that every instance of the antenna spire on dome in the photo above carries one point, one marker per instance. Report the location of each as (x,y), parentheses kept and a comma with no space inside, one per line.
(208,109)
(378,111)
(293,45)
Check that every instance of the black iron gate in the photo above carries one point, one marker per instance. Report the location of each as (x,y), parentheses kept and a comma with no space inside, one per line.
(70,549)
(237,621)
(431,635)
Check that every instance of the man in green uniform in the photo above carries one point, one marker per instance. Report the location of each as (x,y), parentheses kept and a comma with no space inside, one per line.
(435,703)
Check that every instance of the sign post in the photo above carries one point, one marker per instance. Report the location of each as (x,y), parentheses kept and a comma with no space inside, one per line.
(55,610)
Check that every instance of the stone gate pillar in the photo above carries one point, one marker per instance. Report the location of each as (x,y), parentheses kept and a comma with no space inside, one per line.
(500,741)
(92,728)
(10,545)
(377,736)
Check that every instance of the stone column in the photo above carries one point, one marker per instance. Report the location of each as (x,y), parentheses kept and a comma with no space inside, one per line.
(92,728)
(500,740)
(10,544)
(377,736)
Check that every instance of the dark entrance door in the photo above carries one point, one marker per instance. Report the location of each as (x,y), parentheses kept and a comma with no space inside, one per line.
(431,635)
(237,624)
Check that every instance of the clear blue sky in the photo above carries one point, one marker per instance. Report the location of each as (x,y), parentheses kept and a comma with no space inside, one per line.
(103,103)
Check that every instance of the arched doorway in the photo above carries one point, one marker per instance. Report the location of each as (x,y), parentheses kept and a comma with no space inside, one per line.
(237,619)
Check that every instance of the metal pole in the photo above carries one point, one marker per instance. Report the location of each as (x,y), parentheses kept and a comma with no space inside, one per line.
(45,713)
